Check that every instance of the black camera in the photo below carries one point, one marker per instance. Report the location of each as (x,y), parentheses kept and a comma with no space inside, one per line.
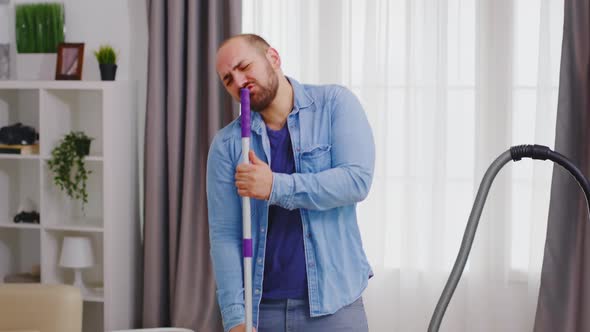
(27,217)
(17,134)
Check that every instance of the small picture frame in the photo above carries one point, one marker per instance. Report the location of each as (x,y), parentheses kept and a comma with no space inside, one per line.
(70,60)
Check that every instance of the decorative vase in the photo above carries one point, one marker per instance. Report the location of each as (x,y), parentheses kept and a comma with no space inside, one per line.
(108,71)
(4,61)
(5,34)
(35,66)
(39,29)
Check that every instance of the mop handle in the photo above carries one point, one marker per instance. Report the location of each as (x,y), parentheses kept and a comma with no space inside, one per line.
(246,222)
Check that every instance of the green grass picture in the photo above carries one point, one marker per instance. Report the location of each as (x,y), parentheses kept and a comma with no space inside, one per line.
(39,27)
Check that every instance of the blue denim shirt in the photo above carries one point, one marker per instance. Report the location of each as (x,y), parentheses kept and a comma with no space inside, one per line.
(334,160)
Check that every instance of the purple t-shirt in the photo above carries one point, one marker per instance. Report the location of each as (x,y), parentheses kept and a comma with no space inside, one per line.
(284,266)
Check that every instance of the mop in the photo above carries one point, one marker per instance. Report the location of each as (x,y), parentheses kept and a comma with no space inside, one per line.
(246,222)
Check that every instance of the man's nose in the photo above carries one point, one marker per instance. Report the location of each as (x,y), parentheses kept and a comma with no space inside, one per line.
(241,80)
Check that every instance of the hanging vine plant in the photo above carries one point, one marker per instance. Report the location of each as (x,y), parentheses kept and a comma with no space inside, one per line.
(68,167)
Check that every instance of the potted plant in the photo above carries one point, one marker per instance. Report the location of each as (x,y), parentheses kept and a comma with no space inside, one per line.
(107,62)
(68,167)
(39,29)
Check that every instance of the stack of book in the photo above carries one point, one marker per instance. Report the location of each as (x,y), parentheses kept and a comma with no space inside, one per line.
(20,149)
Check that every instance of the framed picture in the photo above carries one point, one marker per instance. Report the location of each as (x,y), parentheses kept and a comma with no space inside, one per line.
(70,58)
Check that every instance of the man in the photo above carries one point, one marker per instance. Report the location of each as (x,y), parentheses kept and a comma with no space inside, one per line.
(309,267)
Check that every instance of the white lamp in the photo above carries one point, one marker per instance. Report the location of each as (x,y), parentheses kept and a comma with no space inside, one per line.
(76,253)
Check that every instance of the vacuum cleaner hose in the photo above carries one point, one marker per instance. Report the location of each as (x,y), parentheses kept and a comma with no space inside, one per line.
(515,153)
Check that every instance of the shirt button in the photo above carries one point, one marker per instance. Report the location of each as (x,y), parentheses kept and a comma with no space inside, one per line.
(262,230)
(298,149)
(257,291)
(259,260)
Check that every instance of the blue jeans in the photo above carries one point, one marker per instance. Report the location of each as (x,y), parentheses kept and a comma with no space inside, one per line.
(293,316)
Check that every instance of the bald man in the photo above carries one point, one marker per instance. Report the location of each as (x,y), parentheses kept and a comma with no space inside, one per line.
(312,159)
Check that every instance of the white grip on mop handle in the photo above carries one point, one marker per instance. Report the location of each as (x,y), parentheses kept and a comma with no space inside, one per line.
(246,222)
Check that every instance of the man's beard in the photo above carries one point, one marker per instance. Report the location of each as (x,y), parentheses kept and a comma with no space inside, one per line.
(265,94)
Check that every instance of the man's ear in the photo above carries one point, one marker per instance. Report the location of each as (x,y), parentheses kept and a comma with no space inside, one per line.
(273,57)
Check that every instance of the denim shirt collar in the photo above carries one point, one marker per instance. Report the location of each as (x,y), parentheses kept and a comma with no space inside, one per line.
(302,100)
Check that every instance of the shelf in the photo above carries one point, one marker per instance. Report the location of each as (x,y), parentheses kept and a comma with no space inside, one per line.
(63,111)
(62,212)
(75,228)
(59,85)
(14,156)
(78,225)
(22,247)
(20,225)
(19,183)
(87,158)
(105,111)
(93,298)
(52,272)
(11,156)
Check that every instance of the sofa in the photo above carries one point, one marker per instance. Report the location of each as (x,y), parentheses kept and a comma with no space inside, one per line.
(40,308)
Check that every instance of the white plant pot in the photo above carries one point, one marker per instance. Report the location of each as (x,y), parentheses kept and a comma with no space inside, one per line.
(35,66)
(4,61)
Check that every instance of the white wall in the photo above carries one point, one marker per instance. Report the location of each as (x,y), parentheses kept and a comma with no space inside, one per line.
(138,44)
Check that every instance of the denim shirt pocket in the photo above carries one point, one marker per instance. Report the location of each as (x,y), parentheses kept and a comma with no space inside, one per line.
(316,158)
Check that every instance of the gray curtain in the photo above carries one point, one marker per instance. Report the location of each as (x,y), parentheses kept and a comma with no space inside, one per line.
(186,105)
(564,295)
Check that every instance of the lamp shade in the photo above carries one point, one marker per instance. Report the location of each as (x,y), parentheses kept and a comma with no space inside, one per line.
(76,252)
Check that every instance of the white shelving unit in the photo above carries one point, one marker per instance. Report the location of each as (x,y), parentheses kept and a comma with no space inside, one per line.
(106,112)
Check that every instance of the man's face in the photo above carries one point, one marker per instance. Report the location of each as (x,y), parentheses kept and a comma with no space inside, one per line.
(240,65)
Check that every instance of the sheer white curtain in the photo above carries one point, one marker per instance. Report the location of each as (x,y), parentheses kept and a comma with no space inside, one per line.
(448,85)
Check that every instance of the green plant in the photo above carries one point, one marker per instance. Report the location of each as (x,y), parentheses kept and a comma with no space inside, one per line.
(67,165)
(106,55)
(39,27)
